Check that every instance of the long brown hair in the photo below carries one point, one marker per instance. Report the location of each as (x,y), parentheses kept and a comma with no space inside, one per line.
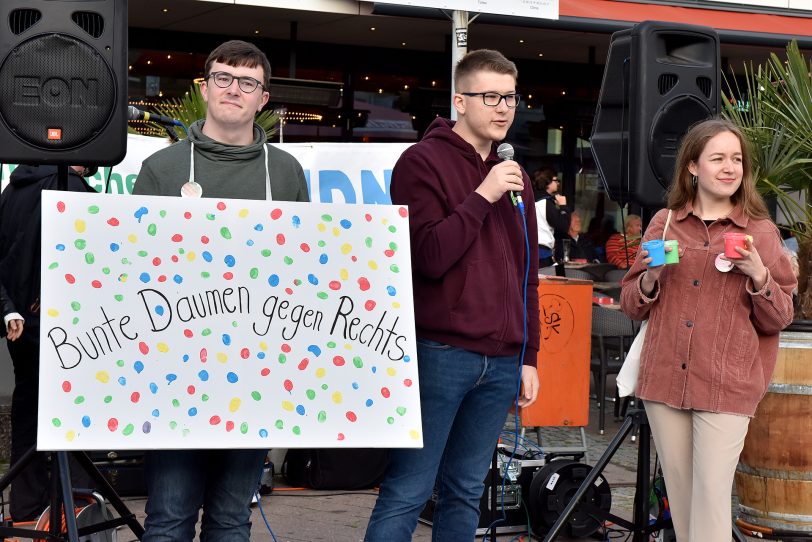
(682,191)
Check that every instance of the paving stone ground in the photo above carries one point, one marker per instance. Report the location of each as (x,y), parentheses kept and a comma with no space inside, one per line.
(330,516)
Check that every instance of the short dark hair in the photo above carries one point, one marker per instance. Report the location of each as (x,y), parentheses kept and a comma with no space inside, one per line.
(544,177)
(239,53)
(483,60)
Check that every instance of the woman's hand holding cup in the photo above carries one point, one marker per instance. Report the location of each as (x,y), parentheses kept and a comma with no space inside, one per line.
(749,262)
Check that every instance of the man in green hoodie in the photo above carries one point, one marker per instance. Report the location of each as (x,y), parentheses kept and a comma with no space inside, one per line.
(225,156)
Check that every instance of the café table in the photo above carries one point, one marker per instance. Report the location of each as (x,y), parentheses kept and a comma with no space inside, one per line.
(603,286)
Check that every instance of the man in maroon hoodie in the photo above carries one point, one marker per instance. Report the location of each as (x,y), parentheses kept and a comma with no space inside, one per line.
(476,339)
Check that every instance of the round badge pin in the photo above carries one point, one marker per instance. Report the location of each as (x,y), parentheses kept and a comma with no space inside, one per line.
(191,190)
(723,265)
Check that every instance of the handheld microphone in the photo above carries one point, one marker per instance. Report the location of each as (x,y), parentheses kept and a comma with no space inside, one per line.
(505,152)
(133,113)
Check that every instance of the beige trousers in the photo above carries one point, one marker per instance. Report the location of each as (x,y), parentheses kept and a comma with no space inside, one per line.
(699,452)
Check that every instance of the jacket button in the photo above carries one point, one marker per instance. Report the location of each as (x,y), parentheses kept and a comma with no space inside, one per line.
(689,323)
(768,293)
(684,366)
(696,283)
(707,243)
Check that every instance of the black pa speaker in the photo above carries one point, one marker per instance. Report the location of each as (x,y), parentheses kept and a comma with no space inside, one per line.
(63,81)
(660,78)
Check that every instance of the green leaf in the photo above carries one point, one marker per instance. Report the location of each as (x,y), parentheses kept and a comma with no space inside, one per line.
(774,111)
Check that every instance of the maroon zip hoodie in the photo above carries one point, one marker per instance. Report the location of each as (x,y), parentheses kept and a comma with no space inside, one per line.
(468,255)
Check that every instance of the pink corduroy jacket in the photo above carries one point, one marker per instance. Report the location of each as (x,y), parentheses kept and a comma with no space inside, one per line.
(712,340)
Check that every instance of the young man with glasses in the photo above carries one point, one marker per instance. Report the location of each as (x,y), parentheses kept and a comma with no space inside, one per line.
(469,261)
(225,156)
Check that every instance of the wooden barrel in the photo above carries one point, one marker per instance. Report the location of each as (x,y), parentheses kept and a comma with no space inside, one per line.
(774,475)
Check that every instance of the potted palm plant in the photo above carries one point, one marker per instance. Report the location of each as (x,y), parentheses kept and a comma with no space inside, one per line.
(192,107)
(773,107)
(774,110)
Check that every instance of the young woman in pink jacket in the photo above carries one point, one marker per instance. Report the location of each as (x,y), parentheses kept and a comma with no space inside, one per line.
(712,338)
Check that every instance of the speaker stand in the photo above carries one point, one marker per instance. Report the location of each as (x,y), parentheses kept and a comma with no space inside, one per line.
(635,422)
(62,493)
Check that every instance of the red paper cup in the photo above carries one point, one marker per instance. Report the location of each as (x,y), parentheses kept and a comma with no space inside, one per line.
(733,240)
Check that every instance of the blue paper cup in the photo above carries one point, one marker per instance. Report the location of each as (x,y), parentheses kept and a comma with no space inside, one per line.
(656,251)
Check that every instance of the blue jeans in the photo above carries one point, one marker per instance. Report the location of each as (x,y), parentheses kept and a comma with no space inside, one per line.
(464,399)
(179,482)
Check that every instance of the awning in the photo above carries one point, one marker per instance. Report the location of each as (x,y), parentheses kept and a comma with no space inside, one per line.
(732,20)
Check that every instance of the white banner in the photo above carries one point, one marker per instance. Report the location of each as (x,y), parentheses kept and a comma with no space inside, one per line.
(335,172)
(540,9)
(205,323)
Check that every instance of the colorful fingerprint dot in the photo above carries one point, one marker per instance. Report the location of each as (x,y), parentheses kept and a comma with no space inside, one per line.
(337,397)
(235,404)
(103,377)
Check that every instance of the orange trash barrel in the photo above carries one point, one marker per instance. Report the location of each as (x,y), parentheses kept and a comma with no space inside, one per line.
(565,307)
(774,475)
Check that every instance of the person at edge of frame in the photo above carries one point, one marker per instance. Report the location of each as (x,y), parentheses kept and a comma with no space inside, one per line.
(20,211)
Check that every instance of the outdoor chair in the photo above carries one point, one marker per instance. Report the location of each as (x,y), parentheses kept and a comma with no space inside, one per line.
(612,335)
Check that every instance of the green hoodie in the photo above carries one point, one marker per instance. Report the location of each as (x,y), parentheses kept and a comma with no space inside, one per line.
(223,171)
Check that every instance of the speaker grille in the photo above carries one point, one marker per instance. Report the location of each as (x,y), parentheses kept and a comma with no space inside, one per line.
(90,22)
(705,86)
(666,82)
(20,20)
(56,82)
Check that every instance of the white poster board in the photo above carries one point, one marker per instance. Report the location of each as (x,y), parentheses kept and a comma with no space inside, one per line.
(205,323)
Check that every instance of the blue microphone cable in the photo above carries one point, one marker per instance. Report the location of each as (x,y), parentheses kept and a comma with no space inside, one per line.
(492,526)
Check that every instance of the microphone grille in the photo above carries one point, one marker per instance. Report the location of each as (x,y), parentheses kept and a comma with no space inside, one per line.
(505,151)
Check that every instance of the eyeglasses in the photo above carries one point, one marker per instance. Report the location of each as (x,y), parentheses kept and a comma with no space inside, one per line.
(492,99)
(224,80)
